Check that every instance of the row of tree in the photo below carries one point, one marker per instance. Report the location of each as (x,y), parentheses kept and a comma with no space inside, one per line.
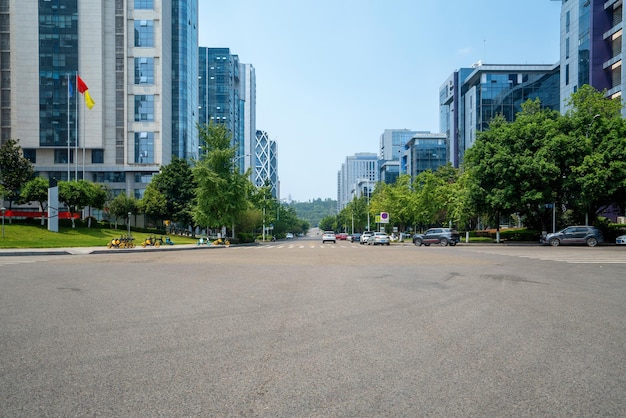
(209,193)
(539,165)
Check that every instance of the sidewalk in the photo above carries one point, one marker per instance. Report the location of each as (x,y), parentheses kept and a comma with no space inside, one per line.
(99,250)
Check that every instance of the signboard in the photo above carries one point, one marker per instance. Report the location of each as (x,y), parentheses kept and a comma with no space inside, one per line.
(384,217)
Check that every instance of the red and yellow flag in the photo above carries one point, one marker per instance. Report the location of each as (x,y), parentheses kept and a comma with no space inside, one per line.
(84,90)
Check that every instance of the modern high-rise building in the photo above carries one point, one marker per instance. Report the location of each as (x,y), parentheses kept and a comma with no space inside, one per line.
(137,60)
(392,142)
(358,174)
(265,170)
(219,91)
(471,98)
(248,121)
(425,151)
(227,95)
(592,47)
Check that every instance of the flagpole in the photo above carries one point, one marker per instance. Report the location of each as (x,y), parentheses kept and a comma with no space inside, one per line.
(68,126)
(76,142)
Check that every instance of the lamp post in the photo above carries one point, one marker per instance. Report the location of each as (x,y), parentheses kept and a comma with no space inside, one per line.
(129,223)
(3,209)
(587,137)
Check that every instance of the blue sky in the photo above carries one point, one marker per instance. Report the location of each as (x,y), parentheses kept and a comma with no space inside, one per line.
(332,75)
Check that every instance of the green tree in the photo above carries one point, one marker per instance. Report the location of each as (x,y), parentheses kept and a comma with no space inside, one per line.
(328,223)
(98,196)
(221,190)
(153,203)
(177,185)
(598,179)
(75,195)
(36,190)
(15,170)
(121,206)
(513,167)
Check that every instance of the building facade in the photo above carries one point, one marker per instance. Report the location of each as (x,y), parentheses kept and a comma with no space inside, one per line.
(265,170)
(392,142)
(592,47)
(360,170)
(248,121)
(131,55)
(227,95)
(471,98)
(219,92)
(425,151)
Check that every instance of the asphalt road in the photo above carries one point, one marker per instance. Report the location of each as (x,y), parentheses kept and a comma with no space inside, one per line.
(301,329)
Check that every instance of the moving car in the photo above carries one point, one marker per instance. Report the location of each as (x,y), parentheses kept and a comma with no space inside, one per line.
(572,235)
(289,235)
(364,236)
(378,238)
(441,236)
(342,236)
(621,240)
(328,236)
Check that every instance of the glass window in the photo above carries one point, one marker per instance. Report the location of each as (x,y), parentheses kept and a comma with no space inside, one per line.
(144,33)
(30,155)
(97,156)
(144,70)
(144,108)
(60,156)
(144,147)
(144,4)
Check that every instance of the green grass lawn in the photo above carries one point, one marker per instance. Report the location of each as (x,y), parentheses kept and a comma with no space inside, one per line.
(36,236)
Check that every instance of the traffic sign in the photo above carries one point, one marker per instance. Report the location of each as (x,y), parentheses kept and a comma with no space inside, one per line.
(384,218)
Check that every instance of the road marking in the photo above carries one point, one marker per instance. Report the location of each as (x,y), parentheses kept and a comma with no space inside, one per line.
(569,257)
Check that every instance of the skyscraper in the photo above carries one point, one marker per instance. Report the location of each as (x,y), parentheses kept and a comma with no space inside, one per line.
(132,55)
(266,163)
(359,172)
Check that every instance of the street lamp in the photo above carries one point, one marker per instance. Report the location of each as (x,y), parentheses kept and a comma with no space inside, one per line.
(3,209)
(129,223)
(587,137)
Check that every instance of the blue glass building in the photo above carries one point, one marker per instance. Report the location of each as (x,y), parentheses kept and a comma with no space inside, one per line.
(471,98)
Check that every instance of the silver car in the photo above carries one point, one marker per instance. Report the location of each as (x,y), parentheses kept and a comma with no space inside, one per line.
(379,238)
(621,240)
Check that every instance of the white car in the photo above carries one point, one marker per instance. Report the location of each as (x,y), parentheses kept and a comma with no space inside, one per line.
(364,237)
(328,236)
(289,235)
(379,238)
(621,240)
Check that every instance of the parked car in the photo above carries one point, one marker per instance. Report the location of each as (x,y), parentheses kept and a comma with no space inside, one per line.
(621,240)
(328,236)
(441,236)
(572,235)
(342,236)
(354,237)
(364,236)
(378,238)
(289,235)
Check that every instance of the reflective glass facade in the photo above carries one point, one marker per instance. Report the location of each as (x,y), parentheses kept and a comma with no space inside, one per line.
(58,63)
(219,92)
(185,78)
(471,98)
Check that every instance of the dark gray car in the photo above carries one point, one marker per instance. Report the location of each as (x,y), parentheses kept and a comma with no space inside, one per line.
(441,236)
(572,235)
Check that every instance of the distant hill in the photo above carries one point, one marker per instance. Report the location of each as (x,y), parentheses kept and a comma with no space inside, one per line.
(314,210)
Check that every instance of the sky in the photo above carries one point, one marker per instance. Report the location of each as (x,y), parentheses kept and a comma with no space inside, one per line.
(332,75)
